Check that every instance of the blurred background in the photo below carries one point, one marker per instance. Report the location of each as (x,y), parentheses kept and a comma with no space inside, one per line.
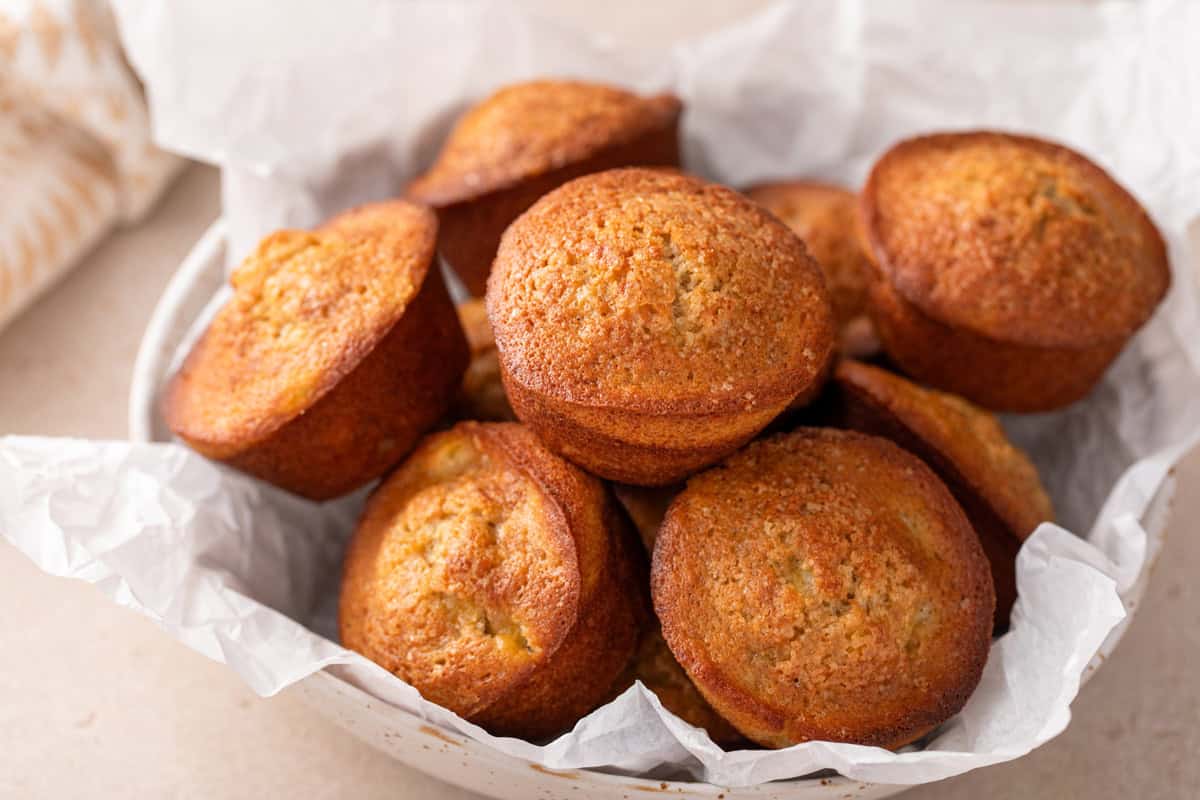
(96,702)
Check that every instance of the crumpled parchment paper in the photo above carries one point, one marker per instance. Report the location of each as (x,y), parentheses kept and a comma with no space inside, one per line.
(344,101)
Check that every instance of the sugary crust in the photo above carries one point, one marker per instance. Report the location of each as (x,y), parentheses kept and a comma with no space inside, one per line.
(995,483)
(667,317)
(310,376)
(657,291)
(530,129)
(996,375)
(824,585)
(494,577)
(825,217)
(1015,239)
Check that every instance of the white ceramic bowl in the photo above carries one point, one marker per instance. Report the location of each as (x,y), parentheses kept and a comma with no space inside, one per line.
(186,304)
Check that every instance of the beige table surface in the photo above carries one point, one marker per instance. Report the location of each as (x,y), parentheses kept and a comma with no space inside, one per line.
(97,702)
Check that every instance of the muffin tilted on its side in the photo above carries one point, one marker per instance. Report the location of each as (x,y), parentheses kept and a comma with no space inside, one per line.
(525,140)
(650,323)
(824,585)
(1012,270)
(995,483)
(499,580)
(338,349)
(825,217)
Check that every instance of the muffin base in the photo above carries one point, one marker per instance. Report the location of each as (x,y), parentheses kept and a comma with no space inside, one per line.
(999,376)
(639,448)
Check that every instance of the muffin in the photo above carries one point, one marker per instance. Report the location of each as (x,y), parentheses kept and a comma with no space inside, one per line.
(824,585)
(482,396)
(650,323)
(826,218)
(659,672)
(497,579)
(525,140)
(646,507)
(338,349)
(1013,270)
(994,482)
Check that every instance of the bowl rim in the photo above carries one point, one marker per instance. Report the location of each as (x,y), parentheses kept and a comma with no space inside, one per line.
(166,329)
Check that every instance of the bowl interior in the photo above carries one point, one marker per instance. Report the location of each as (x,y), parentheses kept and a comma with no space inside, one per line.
(188,302)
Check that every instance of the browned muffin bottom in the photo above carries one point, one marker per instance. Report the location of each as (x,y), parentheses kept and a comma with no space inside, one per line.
(826,218)
(824,585)
(482,396)
(1013,269)
(496,578)
(527,139)
(337,350)
(995,483)
(650,323)
(659,672)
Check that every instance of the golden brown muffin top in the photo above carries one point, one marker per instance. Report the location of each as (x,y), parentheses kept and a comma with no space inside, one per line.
(651,290)
(967,440)
(472,563)
(826,218)
(827,584)
(1013,238)
(307,307)
(531,128)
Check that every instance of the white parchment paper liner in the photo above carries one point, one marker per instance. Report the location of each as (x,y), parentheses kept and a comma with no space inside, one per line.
(342,103)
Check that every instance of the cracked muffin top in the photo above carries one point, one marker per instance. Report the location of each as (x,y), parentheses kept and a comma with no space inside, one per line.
(960,437)
(472,564)
(1013,238)
(824,585)
(651,290)
(825,217)
(531,128)
(307,308)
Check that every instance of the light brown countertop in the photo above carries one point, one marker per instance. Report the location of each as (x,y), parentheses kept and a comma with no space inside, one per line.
(95,701)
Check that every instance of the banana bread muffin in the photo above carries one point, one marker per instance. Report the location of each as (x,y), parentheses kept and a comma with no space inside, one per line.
(659,672)
(338,349)
(1013,270)
(650,323)
(826,218)
(525,140)
(482,396)
(824,585)
(497,579)
(995,483)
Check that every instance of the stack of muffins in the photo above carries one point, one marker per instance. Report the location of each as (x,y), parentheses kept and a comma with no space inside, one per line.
(827,545)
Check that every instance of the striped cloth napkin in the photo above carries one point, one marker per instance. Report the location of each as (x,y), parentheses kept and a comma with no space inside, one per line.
(76,158)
